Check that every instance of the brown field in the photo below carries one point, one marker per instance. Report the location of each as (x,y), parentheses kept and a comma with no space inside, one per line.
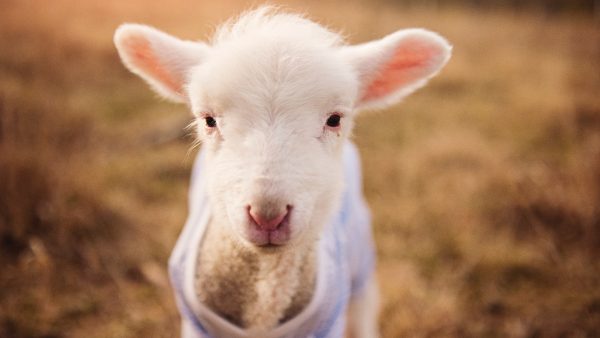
(485,186)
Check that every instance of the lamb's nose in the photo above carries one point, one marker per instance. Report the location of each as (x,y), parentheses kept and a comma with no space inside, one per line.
(268,219)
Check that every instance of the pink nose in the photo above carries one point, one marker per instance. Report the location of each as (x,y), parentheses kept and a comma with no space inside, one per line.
(268,220)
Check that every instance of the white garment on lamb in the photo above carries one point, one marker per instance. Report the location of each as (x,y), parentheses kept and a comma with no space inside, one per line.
(345,262)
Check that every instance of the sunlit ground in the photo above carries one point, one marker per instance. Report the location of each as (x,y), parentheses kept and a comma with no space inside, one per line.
(485,186)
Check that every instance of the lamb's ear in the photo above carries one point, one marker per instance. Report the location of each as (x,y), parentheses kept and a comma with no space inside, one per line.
(396,65)
(162,60)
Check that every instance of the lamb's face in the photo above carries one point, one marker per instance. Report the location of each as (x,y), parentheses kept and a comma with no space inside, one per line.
(273,119)
(275,98)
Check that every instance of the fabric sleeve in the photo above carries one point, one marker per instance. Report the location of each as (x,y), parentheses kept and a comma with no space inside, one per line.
(361,248)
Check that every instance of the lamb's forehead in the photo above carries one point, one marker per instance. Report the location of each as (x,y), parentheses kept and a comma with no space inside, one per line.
(281,60)
(275,73)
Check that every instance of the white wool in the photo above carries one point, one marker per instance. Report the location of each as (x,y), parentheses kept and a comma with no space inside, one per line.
(266,20)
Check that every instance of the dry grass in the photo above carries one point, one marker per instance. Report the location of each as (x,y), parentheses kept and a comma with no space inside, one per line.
(485,187)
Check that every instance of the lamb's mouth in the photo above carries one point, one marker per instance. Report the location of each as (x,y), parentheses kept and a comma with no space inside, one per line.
(270,247)
(269,238)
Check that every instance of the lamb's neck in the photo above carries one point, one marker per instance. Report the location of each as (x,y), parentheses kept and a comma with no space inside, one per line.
(253,289)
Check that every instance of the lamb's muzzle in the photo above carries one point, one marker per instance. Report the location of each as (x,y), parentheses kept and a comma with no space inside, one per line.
(269,225)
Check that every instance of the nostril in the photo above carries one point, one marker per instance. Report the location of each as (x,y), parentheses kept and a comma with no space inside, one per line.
(268,220)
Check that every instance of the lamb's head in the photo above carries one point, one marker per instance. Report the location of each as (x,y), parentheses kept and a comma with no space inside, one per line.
(274,97)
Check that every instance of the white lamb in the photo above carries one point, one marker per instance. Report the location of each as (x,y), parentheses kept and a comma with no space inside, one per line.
(278,241)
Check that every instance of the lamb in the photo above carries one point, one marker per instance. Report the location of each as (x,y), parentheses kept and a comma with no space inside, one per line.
(278,240)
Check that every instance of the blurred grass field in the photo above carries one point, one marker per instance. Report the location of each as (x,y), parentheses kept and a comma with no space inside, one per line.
(485,185)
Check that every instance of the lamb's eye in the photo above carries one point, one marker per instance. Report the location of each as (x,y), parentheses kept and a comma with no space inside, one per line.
(210,122)
(334,120)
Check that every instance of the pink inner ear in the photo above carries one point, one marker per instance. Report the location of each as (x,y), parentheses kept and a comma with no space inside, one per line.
(412,61)
(142,55)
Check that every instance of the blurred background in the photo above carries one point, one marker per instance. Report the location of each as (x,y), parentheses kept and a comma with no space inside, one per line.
(485,185)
